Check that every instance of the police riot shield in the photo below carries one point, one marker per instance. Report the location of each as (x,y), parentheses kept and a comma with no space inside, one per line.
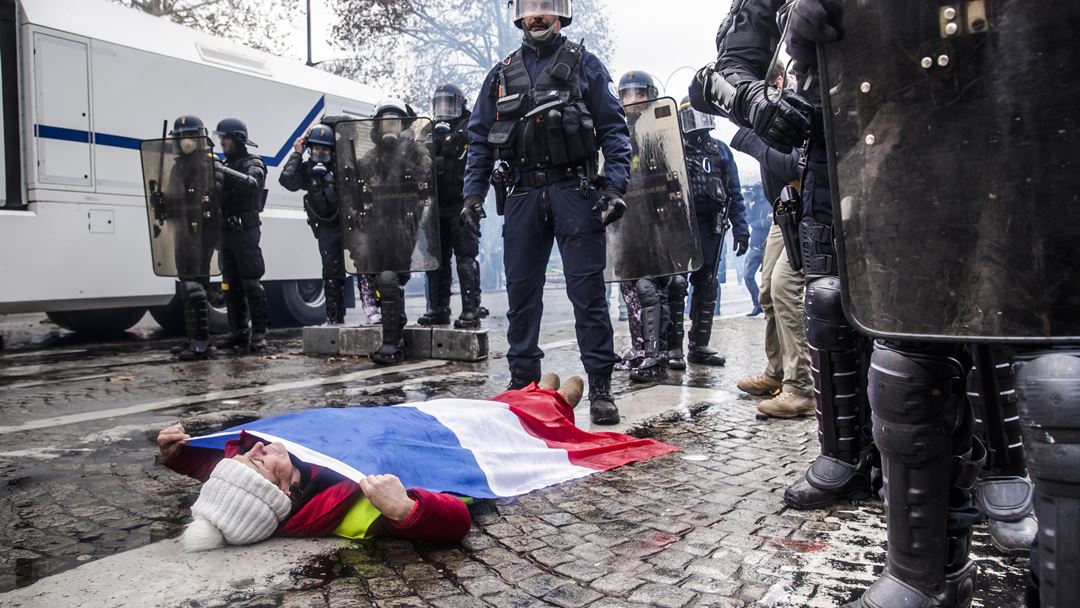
(182,206)
(658,235)
(953,140)
(386,181)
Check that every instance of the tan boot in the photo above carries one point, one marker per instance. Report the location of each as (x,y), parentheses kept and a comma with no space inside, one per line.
(787,405)
(549,381)
(572,390)
(762,386)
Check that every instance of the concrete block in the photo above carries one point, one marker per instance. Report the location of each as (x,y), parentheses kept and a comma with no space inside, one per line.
(322,340)
(459,344)
(418,342)
(360,341)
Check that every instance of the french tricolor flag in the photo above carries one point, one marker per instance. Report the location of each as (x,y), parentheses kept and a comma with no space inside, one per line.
(518,442)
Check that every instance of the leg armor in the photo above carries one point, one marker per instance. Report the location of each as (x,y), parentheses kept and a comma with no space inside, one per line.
(837,362)
(438,307)
(393,314)
(1048,387)
(702,306)
(256,301)
(237,312)
(654,327)
(630,303)
(677,288)
(468,272)
(196,320)
(1004,493)
(922,426)
(335,301)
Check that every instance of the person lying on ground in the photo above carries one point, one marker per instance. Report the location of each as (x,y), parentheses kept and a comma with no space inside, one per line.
(300,474)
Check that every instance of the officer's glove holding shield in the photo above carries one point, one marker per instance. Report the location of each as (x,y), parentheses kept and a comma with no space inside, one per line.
(781,118)
(472,213)
(612,206)
(742,245)
(810,23)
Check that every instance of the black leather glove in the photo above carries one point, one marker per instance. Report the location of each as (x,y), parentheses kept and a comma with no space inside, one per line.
(783,124)
(612,206)
(812,22)
(472,213)
(742,245)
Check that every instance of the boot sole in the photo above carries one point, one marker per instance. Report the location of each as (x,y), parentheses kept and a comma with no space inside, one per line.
(824,503)
(759,393)
(786,416)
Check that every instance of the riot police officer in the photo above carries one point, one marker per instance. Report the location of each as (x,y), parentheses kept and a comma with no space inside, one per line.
(545,111)
(195,248)
(718,204)
(456,238)
(316,176)
(241,256)
(396,160)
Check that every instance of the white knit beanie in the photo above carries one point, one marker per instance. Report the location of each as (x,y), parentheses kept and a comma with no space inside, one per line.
(237,506)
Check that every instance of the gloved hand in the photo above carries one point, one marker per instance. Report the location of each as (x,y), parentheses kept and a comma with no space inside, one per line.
(612,206)
(812,22)
(472,213)
(783,124)
(742,245)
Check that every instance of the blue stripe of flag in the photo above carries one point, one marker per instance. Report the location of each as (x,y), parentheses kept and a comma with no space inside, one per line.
(401,441)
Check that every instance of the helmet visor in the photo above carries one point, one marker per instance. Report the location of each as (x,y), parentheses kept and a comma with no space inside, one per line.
(446,106)
(530,8)
(635,93)
(692,120)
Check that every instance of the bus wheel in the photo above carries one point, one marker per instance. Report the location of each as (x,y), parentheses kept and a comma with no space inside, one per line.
(296,303)
(98,323)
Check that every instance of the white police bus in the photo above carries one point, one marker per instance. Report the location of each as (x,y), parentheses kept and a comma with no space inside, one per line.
(83,82)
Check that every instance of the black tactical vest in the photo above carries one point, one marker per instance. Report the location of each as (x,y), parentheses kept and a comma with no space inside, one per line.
(705,164)
(236,200)
(450,152)
(546,124)
(321,200)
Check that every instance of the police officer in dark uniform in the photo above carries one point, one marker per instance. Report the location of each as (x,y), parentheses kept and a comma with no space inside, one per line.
(718,204)
(456,238)
(736,87)
(241,257)
(546,111)
(192,136)
(316,177)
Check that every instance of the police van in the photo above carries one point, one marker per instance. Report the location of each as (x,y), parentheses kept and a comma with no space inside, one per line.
(84,81)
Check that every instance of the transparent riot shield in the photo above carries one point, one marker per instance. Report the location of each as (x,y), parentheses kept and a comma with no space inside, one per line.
(386,181)
(182,206)
(658,235)
(954,151)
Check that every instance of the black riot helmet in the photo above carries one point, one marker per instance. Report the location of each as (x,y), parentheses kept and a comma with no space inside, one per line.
(188,125)
(448,102)
(387,130)
(636,87)
(236,129)
(563,9)
(320,135)
(692,120)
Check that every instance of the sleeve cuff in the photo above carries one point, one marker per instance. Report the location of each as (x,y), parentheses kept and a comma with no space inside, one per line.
(414,515)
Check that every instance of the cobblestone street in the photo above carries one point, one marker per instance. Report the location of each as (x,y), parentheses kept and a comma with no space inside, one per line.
(702,527)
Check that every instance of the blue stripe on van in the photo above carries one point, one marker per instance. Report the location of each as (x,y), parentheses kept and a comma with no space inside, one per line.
(131,143)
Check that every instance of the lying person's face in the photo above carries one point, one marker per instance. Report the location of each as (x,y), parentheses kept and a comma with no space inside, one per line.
(272,462)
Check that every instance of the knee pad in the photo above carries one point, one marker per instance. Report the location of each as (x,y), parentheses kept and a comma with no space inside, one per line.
(916,402)
(192,289)
(648,292)
(678,286)
(826,326)
(251,286)
(388,278)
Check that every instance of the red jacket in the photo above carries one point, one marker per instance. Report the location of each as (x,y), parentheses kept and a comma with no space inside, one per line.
(437,518)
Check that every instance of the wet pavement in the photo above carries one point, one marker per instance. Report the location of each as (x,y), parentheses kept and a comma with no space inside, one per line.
(704,527)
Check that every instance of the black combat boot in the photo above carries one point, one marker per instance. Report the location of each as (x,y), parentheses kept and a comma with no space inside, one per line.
(256,299)
(196,322)
(469,280)
(676,332)
(438,299)
(602,409)
(653,366)
(392,297)
(334,289)
(237,313)
(702,306)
